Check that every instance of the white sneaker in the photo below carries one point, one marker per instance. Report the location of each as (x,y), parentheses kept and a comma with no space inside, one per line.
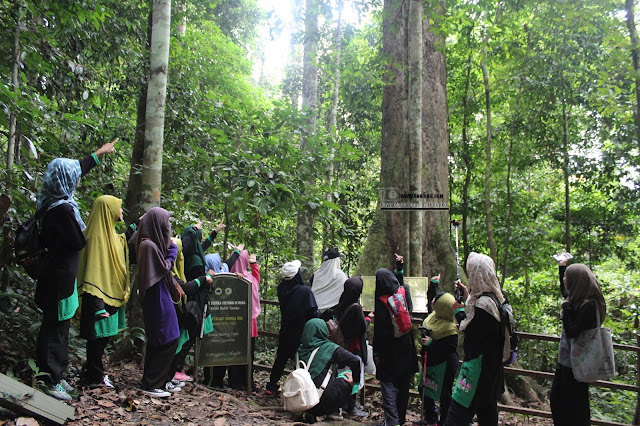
(104,383)
(158,393)
(178,383)
(170,387)
(58,392)
(67,387)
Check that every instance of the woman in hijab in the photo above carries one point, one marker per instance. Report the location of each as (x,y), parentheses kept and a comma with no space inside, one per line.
(353,325)
(337,392)
(214,262)
(327,283)
(194,247)
(441,351)
(195,271)
(583,303)
(157,252)
(195,291)
(56,294)
(480,381)
(103,284)
(297,306)
(396,356)
(238,373)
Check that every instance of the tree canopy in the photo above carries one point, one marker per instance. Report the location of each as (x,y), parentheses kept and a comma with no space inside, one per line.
(564,154)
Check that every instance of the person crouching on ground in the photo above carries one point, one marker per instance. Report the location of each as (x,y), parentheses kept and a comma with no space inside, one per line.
(340,386)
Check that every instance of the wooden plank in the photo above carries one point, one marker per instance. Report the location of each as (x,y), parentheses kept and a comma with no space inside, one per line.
(19,397)
(545,375)
(548,338)
(540,413)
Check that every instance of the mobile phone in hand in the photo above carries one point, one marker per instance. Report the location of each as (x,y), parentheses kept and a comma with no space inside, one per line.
(562,256)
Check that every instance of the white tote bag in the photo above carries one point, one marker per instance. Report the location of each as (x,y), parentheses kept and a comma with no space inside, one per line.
(370,367)
(592,354)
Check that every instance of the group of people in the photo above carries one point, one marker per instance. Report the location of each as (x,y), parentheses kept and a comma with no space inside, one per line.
(87,278)
(474,392)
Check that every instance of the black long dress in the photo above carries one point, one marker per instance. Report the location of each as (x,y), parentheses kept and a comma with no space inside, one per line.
(396,361)
(64,240)
(482,338)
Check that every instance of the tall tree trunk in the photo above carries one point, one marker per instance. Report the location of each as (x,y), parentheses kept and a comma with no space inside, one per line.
(565,172)
(437,253)
(133,198)
(629,7)
(415,61)
(156,97)
(305,227)
(389,231)
(333,121)
(493,250)
(466,154)
(15,68)
(134,188)
(181,28)
(512,135)
(565,155)
(292,91)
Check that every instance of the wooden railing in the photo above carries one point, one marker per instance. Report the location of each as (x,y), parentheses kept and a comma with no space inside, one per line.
(523,372)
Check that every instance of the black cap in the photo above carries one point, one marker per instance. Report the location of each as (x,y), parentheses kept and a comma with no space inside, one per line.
(330,254)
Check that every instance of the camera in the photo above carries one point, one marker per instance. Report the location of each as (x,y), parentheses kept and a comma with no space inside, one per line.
(458,295)
(424,331)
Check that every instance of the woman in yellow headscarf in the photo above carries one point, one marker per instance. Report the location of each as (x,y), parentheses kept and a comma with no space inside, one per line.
(103,283)
(439,358)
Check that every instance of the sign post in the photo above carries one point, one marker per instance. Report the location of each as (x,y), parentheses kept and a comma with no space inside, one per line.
(230,341)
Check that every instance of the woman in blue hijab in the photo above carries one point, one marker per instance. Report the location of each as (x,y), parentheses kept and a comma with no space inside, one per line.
(214,262)
(56,294)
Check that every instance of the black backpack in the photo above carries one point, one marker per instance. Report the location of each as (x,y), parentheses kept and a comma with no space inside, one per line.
(508,333)
(29,247)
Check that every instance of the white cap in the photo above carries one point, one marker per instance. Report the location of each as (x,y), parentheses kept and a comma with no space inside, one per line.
(290,269)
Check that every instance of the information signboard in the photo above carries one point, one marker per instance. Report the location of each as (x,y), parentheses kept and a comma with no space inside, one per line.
(417,285)
(230,305)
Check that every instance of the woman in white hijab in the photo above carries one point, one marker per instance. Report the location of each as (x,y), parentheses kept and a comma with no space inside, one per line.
(480,381)
(327,284)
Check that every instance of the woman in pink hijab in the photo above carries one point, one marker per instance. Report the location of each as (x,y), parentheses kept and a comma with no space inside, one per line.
(238,373)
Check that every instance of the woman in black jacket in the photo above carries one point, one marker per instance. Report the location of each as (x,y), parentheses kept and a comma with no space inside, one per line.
(56,292)
(583,298)
(395,356)
(297,306)
(353,325)
(481,378)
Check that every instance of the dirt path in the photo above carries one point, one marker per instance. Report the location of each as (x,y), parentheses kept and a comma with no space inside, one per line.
(199,405)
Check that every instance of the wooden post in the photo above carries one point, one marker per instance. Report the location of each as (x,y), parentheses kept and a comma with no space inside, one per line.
(636,416)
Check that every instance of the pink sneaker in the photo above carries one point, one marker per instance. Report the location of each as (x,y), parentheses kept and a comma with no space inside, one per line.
(180,376)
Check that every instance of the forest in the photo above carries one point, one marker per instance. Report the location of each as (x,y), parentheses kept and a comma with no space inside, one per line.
(523,114)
